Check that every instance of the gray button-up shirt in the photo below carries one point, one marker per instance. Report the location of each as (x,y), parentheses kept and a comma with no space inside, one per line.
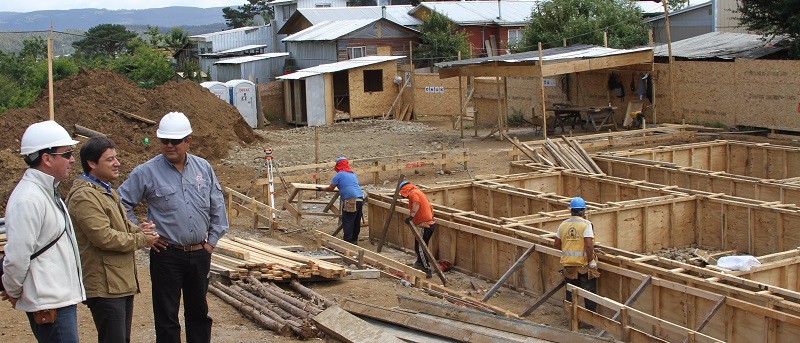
(187,207)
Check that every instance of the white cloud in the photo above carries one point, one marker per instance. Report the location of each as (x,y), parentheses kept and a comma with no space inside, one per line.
(39,5)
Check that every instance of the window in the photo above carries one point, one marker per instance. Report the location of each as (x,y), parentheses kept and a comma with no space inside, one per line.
(514,36)
(286,11)
(373,80)
(324,4)
(356,52)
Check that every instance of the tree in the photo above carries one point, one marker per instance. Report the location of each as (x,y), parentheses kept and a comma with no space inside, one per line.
(176,38)
(154,35)
(243,15)
(440,41)
(34,47)
(584,21)
(772,18)
(146,66)
(104,40)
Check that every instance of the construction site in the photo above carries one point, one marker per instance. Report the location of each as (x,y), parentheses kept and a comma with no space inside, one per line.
(667,197)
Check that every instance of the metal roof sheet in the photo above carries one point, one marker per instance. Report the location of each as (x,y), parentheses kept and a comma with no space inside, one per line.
(212,34)
(482,12)
(678,11)
(398,14)
(329,30)
(338,66)
(720,45)
(245,59)
(235,50)
(578,51)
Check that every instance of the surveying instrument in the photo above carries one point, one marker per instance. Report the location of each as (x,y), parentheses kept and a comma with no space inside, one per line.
(270,178)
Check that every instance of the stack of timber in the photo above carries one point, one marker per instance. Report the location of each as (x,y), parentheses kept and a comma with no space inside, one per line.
(3,240)
(568,155)
(238,258)
(268,305)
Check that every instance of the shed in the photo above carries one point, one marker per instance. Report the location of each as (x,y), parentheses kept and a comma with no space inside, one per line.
(258,68)
(304,18)
(357,88)
(334,41)
(544,63)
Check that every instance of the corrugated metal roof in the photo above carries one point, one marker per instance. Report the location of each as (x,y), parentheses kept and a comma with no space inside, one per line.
(482,12)
(235,50)
(679,11)
(338,66)
(245,59)
(398,14)
(578,51)
(721,45)
(205,36)
(329,30)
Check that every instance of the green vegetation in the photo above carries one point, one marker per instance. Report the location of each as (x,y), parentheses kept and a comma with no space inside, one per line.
(773,18)
(583,22)
(440,41)
(243,15)
(516,119)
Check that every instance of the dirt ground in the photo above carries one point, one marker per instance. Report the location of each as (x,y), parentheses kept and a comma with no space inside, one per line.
(294,146)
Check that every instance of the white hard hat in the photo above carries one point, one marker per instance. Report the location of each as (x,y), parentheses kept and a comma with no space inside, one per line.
(174,125)
(44,135)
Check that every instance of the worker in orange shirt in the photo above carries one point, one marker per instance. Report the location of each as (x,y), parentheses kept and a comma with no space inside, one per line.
(421,214)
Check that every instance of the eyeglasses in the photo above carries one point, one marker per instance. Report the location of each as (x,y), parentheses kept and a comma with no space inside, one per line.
(65,154)
(174,142)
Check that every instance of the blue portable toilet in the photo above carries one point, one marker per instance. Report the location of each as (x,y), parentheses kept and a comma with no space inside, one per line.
(243,96)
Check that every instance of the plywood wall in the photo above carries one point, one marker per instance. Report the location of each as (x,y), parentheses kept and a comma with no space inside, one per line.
(370,104)
(435,96)
(271,99)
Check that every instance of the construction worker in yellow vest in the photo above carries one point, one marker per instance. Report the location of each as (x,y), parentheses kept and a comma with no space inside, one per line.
(575,239)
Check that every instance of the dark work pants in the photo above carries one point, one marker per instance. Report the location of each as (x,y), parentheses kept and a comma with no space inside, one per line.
(63,330)
(427,233)
(583,281)
(112,318)
(351,223)
(174,272)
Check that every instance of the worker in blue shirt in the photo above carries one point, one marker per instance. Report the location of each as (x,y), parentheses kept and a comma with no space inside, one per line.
(185,201)
(352,198)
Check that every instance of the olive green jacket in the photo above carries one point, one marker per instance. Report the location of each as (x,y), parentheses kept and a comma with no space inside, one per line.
(106,238)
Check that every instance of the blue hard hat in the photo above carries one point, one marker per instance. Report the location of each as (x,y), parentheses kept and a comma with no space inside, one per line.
(403,184)
(577,202)
(340,157)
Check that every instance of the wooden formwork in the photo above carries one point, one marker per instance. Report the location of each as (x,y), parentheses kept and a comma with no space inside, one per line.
(483,231)
(758,160)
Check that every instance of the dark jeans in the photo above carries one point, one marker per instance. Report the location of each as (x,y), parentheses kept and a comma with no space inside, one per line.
(174,272)
(583,281)
(351,223)
(63,330)
(112,318)
(427,233)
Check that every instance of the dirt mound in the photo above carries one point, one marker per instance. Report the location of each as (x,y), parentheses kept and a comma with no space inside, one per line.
(87,99)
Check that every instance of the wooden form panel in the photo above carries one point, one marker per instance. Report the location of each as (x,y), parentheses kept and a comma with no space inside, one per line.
(488,250)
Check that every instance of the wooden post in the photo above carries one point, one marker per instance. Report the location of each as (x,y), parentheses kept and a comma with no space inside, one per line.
(508,273)
(499,108)
(565,42)
(541,84)
(391,212)
(624,324)
(573,320)
(632,298)
(605,39)
(505,105)
(461,102)
(670,62)
(376,175)
(50,73)
(316,158)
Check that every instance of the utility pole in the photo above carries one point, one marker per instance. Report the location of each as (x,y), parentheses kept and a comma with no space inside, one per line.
(50,71)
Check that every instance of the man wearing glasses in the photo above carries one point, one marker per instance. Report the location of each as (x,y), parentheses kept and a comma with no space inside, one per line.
(185,201)
(42,267)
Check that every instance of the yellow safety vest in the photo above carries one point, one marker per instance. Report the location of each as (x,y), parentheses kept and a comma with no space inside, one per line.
(572,245)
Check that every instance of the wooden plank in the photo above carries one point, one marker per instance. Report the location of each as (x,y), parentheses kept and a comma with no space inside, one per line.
(133,116)
(345,327)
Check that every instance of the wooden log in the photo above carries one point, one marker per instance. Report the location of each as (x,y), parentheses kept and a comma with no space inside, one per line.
(267,303)
(345,327)
(508,273)
(133,116)
(389,216)
(82,130)
(302,311)
(427,252)
(543,298)
(252,313)
(309,293)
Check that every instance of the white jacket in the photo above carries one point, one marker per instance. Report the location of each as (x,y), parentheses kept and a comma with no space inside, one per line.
(33,219)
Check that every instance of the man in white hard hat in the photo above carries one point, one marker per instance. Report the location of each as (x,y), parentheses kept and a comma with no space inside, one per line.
(575,239)
(42,268)
(185,201)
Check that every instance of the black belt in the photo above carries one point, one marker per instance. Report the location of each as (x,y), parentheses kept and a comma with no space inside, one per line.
(190,247)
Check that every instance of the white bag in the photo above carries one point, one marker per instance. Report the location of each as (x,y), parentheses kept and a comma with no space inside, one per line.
(743,263)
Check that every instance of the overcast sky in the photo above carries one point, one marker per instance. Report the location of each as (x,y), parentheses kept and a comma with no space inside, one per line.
(38,5)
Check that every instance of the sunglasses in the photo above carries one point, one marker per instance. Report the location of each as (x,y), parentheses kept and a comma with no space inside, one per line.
(174,142)
(65,154)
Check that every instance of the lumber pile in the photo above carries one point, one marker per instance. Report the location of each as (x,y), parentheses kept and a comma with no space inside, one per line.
(269,306)
(568,155)
(238,258)
(3,240)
